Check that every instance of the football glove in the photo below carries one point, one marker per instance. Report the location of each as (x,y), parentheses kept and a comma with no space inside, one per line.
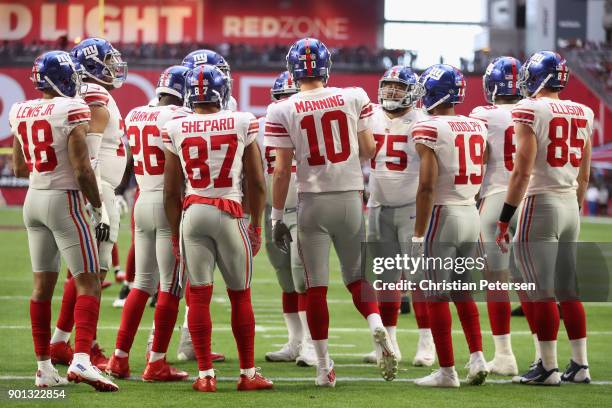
(417,248)
(255,238)
(100,220)
(176,248)
(281,235)
(502,237)
(121,204)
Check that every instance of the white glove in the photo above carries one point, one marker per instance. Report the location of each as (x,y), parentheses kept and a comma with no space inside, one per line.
(100,220)
(121,204)
(417,249)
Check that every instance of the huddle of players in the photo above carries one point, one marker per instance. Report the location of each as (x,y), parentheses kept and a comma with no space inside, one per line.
(312,145)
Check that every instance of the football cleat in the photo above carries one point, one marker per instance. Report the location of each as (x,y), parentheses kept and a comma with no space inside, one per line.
(477,369)
(120,275)
(118,367)
(160,370)
(385,355)
(186,352)
(370,358)
(441,379)
(426,353)
(257,382)
(289,352)
(206,384)
(308,355)
(217,357)
(326,377)
(49,378)
(538,375)
(503,364)
(98,358)
(61,353)
(123,294)
(90,374)
(576,373)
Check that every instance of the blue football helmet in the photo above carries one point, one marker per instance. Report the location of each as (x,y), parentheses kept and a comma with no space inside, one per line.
(544,69)
(501,78)
(308,58)
(440,84)
(57,71)
(206,84)
(172,81)
(101,61)
(283,86)
(397,97)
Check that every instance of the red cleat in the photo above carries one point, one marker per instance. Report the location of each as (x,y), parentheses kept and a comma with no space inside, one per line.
(160,370)
(105,284)
(206,384)
(257,382)
(98,358)
(61,353)
(120,276)
(217,357)
(118,367)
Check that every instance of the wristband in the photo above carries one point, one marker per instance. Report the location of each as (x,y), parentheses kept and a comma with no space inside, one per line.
(507,213)
(277,215)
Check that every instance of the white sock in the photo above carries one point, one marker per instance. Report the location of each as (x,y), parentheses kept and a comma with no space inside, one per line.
(120,353)
(81,358)
(185,320)
(448,370)
(294,327)
(392,331)
(579,351)
(44,365)
(536,343)
(249,372)
(156,356)
(502,344)
(305,328)
(425,335)
(59,336)
(549,354)
(320,347)
(477,355)
(207,373)
(374,321)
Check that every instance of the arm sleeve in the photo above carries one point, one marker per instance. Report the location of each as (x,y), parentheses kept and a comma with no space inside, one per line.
(425,133)
(252,129)
(96,97)
(366,110)
(275,132)
(524,113)
(77,113)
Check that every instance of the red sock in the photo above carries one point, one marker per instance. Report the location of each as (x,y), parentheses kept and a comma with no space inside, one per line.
(364,297)
(290,302)
(187,294)
(130,264)
(86,310)
(243,326)
(65,320)
(440,320)
(389,304)
(302,302)
(470,322)
(499,309)
(115,255)
(317,314)
(166,311)
(200,325)
(527,306)
(130,318)
(574,319)
(546,319)
(40,317)
(419,305)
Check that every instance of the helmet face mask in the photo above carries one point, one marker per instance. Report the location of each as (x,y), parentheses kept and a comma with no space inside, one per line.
(101,62)
(115,68)
(395,95)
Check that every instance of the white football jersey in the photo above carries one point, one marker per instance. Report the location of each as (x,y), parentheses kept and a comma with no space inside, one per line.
(501,144)
(112,158)
(561,128)
(459,144)
(322,126)
(42,127)
(394,171)
(232,104)
(210,148)
(143,127)
(268,157)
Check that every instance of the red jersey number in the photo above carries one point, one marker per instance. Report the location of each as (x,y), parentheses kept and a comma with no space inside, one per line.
(559,130)
(339,118)
(475,151)
(196,166)
(144,152)
(400,162)
(41,136)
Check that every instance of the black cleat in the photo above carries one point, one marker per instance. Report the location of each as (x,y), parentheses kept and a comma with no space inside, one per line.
(153,300)
(405,305)
(576,373)
(518,311)
(538,375)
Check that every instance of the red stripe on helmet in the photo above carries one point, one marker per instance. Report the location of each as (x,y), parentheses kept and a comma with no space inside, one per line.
(201,84)
(513,74)
(308,58)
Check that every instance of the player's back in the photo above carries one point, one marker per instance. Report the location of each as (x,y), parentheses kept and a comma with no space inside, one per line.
(458,143)
(42,127)
(561,128)
(210,148)
(322,126)
(143,128)
(501,144)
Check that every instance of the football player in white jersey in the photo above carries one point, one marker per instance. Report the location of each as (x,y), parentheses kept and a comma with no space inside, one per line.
(209,152)
(103,71)
(155,262)
(328,131)
(50,147)
(288,265)
(451,149)
(551,170)
(394,177)
(502,93)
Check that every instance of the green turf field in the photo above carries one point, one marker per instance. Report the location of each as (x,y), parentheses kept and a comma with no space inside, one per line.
(358,385)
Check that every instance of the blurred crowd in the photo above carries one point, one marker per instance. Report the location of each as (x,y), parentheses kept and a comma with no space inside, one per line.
(595,59)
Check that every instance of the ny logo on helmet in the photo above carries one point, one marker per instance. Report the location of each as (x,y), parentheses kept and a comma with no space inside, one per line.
(90,51)
(435,73)
(64,59)
(200,59)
